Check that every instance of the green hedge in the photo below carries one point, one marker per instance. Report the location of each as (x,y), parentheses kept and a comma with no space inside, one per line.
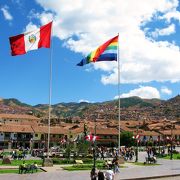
(72,161)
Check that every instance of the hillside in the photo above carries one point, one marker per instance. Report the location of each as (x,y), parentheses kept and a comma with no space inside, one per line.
(132,108)
(14,106)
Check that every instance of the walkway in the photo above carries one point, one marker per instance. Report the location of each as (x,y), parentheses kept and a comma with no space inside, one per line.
(167,167)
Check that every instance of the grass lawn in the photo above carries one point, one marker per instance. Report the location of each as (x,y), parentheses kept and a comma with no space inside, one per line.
(55,161)
(72,161)
(142,164)
(15,171)
(175,156)
(18,162)
(79,167)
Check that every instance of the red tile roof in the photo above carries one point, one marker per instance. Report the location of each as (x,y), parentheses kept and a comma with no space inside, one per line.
(18,116)
(16,128)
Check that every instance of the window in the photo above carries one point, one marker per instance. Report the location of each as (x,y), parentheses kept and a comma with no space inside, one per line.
(36,135)
(7,135)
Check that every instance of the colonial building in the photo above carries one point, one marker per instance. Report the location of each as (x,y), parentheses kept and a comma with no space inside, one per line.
(19,119)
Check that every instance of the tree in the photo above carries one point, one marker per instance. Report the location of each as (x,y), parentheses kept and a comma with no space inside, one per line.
(127,139)
(82,147)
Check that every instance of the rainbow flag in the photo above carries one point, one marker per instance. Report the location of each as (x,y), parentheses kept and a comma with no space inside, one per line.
(105,52)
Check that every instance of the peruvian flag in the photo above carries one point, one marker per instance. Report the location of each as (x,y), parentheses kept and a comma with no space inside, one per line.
(168,138)
(62,140)
(28,41)
(136,137)
(91,137)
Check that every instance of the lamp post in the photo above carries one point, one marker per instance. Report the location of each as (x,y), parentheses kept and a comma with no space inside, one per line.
(94,149)
(171,156)
(94,143)
(137,130)
(159,141)
(172,126)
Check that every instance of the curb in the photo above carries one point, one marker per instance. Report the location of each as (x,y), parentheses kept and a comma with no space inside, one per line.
(153,177)
(42,169)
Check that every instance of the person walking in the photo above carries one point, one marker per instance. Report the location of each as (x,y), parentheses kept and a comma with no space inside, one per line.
(101,175)
(93,174)
(109,174)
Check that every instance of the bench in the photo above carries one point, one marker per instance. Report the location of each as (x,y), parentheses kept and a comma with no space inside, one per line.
(78,161)
(150,160)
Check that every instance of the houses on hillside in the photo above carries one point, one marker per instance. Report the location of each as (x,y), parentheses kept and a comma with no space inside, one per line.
(18,130)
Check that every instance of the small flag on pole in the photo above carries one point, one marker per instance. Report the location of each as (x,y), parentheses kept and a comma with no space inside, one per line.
(22,43)
(136,137)
(91,138)
(105,52)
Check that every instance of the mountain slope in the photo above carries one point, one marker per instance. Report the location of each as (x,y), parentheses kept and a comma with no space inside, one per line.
(132,108)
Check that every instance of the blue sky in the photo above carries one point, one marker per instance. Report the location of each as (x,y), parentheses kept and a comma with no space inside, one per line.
(149,51)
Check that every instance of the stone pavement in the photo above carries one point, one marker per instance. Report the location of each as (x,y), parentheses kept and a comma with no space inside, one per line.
(167,168)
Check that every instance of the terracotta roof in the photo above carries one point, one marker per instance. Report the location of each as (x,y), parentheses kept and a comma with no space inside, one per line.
(105,131)
(53,130)
(168,132)
(146,133)
(78,130)
(16,128)
(149,133)
(18,116)
(124,128)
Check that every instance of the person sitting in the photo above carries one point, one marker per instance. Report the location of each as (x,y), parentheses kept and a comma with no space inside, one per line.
(34,166)
(23,167)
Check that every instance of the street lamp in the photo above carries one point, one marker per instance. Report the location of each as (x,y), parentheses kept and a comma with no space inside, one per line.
(137,130)
(94,143)
(172,126)
(171,156)
(94,149)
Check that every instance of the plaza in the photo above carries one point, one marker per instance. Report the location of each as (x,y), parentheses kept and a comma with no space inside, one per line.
(167,169)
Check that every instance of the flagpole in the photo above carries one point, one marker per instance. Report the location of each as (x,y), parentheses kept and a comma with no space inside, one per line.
(119,109)
(50,96)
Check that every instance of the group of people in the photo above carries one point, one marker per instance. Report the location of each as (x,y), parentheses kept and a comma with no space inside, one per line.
(112,168)
(108,175)
(127,153)
(25,168)
(18,154)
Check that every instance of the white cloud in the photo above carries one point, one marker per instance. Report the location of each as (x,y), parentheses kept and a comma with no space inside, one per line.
(6,13)
(83,100)
(145,92)
(165,90)
(171,15)
(164,32)
(30,27)
(93,22)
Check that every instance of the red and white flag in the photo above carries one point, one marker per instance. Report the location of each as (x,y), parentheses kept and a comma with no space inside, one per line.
(22,43)
(62,140)
(91,137)
(136,137)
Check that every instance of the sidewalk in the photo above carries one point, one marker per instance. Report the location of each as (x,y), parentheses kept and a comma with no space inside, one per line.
(167,168)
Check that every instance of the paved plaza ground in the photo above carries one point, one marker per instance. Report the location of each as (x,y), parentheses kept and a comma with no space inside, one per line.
(167,167)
